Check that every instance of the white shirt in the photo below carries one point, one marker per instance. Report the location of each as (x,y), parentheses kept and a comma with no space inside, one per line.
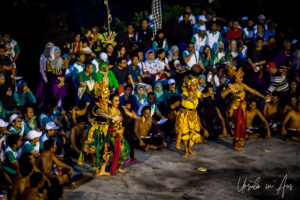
(191,18)
(212,39)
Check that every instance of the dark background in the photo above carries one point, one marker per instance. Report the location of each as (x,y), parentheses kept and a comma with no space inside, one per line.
(33,23)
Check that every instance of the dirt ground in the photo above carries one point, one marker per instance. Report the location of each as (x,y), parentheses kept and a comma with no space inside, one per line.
(249,174)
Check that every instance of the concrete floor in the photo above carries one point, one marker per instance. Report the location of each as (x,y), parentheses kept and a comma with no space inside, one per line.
(165,175)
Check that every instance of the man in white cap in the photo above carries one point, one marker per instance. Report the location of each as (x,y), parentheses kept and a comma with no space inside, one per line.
(17,125)
(201,20)
(3,137)
(262,21)
(33,144)
(51,130)
(200,39)
(171,90)
(103,57)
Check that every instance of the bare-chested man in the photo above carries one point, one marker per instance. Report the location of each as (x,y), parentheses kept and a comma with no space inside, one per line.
(272,112)
(292,104)
(77,135)
(142,129)
(251,113)
(32,192)
(22,182)
(291,124)
(47,160)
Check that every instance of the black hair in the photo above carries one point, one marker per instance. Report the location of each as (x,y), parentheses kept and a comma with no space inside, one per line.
(25,109)
(145,108)
(47,108)
(35,179)
(134,55)
(13,139)
(49,144)
(25,158)
(175,98)
(81,104)
(150,94)
(259,38)
(186,13)
(82,119)
(127,102)
(160,51)
(2,46)
(26,169)
(120,59)
(128,86)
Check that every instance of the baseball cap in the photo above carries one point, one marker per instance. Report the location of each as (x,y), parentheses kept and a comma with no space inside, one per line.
(171,81)
(261,17)
(103,56)
(51,125)
(270,65)
(3,123)
(202,28)
(202,18)
(33,134)
(13,117)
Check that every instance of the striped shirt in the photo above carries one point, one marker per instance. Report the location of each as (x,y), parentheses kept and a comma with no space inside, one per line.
(278,83)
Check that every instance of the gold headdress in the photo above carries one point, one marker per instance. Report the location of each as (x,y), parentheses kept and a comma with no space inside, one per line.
(109,38)
(188,81)
(101,89)
(233,72)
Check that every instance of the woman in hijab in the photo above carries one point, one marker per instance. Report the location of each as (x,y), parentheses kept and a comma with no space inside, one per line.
(56,75)
(7,102)
(40,94)
(160,97)
(219,55)
(141,95)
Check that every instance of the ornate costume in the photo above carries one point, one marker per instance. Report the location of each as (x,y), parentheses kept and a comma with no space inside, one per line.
(121,147)
(96,139)
(187,125)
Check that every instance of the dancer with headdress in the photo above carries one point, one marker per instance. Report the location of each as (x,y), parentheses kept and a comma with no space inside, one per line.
(187,125)
(238,104)
(96,139)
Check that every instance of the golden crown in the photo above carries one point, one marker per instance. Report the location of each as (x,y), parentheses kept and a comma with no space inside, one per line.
(101,89)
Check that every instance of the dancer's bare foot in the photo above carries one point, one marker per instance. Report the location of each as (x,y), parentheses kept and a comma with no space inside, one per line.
(185,155)
(102,174)
(192,152)
(121,170)
(237,148)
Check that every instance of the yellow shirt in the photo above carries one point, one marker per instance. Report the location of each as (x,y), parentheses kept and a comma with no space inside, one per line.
(189,105)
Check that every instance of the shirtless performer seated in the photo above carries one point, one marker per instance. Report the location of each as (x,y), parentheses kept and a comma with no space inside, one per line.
(77,136)
(58,177)
(291,124)
(273,113)
(142,129)
(252,130)
(33,192)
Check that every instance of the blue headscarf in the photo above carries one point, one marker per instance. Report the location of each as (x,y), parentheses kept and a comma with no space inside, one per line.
(159,95)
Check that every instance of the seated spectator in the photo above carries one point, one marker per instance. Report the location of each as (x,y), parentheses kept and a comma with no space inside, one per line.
(145,36)
(171,91)
(23,95)
(273,112)
(291,124)
(191,16)
(12,48)
(207,57)
(108,75)
(242,49)
(200,23)
(10,152)
(79,110)
(85,49)
(284,57)
(7,103)
(79,65)
(77,44)
(199,39)
(232,54)
(151,66)
(248,32)
(160,42)
(121,72)
(261,33)
(17,126)
(213,37)
(98,60)
(163,69)
(5,63)
(159,92)
(219,55)
(3,138)
(51,131)
(77,136)
(47,161)
(86,81)
(29,118)
(110,50)
(176,63)
(151,99)
(36,184)
(278,82)
(32,146)
(192,57)
(148,127)
(235,33)
(185,32)
(22,182)
(253,130)
(135,70)
(128,96)
(140,95)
